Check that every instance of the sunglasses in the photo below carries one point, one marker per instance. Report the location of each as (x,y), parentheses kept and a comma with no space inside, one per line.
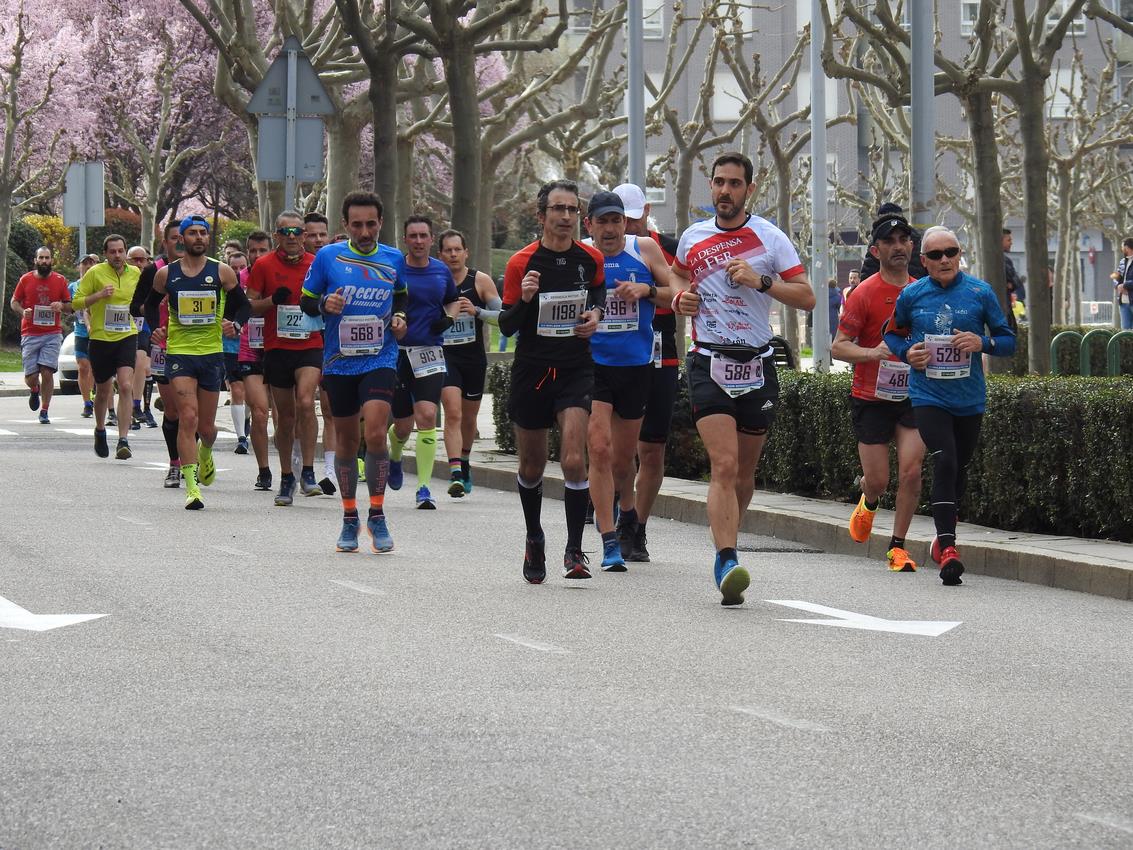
(289,231)
(942,252)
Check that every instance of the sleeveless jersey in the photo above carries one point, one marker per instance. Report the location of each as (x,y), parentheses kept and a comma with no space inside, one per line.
(196,305)
(473,350)
(625,347)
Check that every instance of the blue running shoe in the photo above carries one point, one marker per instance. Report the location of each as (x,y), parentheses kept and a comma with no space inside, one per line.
(467,482)
(348,537)
(425,501)
(379,534)
(395,478)
(612,560)
(732,579)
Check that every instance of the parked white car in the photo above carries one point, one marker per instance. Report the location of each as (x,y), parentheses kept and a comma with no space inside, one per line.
(68,375)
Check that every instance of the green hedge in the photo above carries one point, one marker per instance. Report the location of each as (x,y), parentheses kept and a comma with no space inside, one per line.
(17,268)
(1068,352)
(1055,454)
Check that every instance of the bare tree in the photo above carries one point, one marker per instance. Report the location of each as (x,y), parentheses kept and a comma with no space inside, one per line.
(24,183)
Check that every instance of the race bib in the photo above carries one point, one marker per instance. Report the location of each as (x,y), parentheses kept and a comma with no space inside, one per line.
(559,312)
(196,307)
(946,361)
(426,360)
(42,316)
(735,378)
(892,381)
(462,332)
(621,315)
(657,358)
(256,332)
(289,322)
(116,318)
(157,361)
(358,335)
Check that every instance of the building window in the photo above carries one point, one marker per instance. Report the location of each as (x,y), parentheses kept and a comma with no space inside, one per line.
(1077,25)
(653,12)
(969,14)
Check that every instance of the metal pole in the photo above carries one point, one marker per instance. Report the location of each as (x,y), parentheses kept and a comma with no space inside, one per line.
(290,168)
(635,83)
(922,192)
(820,228)
(82,240)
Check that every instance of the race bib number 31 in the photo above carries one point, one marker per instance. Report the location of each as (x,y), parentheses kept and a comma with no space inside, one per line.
(559,312)
(892,381)
(360,335)
(735,378)
(196,307)
(946,361)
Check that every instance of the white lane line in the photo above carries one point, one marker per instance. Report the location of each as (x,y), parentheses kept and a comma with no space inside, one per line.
(780,719)
(234,552)
(1113,822)
(133,521)
(79,432)
(5,433)
(361,588)
(534,644)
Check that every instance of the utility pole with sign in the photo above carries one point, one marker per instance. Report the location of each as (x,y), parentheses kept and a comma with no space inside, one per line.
(288,105)
(84,201)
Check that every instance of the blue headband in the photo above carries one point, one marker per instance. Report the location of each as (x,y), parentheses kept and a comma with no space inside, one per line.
(193,221)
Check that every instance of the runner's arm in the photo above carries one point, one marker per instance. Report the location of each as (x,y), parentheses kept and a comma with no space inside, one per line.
(897,337)
(844,348)
(1001,339)
(237,307)
(655,259)
(487,292)
(152,306)
(515,309)
(142,291)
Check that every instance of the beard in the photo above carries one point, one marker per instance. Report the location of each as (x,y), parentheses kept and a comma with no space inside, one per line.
(42,271)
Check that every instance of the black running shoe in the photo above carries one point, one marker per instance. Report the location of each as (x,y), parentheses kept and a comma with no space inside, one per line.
(328,487)
(575,564)
(33,399)
(263,481)
(535,561)
(111,417)
(101,447)
(627,533)
(122,452)
(640,553)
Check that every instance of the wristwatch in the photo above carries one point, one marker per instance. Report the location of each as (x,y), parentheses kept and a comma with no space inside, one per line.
(652,290)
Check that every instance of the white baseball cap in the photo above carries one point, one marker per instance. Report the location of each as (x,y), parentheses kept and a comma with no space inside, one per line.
(632,198)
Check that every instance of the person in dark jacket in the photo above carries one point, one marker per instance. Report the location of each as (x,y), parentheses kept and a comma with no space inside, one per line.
(870,265)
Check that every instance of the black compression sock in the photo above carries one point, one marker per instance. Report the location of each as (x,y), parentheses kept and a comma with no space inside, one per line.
(575,497)
(169,432)
(896,542)
(531,498)
(872,507)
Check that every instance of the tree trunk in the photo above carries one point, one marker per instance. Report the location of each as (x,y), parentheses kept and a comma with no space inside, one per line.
(383,103)
(464,106)
(1064,254)
(1036,163)
(5,232)
(989,206)
(783,213)
(683,192)
(344,147)
(149,206)
(405,203)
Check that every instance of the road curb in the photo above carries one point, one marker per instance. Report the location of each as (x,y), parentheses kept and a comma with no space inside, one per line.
(1022,557)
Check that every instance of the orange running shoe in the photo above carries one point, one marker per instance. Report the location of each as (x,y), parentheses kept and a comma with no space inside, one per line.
(934,550)
(951,567)
(861,521)
(899,561)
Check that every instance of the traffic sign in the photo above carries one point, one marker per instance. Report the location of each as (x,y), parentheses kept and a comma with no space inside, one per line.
(84,202)
(270,97)
(271,149)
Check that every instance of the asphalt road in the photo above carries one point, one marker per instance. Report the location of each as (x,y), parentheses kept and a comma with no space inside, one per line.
(248,687)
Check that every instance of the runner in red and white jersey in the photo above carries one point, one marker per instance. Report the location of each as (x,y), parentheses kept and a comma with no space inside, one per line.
(730,268)
(880,406)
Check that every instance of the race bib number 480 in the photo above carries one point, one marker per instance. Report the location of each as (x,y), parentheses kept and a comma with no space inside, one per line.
(892,381)
(736,378)
(559,312)
(946,361)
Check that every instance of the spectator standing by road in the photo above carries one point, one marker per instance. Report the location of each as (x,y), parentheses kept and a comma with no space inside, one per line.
(1123,283)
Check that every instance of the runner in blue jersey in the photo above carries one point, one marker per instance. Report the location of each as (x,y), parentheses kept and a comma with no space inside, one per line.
(358,287)
(938,328)
(433,306)
(637,278)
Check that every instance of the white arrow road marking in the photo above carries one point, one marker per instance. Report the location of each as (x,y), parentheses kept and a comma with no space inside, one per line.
(4,433)
(852,620)
(1118,823)
(780,719)
(534,644)
(12,616)
(78,432)
(361,588)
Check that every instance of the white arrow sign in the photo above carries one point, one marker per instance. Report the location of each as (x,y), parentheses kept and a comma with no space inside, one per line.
(852,620)
(12,616)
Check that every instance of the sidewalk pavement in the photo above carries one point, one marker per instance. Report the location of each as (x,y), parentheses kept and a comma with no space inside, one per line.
(1101,567)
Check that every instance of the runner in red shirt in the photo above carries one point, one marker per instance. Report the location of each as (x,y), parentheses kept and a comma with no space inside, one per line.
(293,351)
(40,298)
(882,412)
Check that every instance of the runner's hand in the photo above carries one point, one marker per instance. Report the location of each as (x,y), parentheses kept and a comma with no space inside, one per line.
(882,352)
(466,306)
(689,304)
(968,341)
(335,302)
(742,273)
(629,290)
(281,295)
(397,327)
(529,287)
(158,336)
(917,356)
(227,328)
(588,324)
